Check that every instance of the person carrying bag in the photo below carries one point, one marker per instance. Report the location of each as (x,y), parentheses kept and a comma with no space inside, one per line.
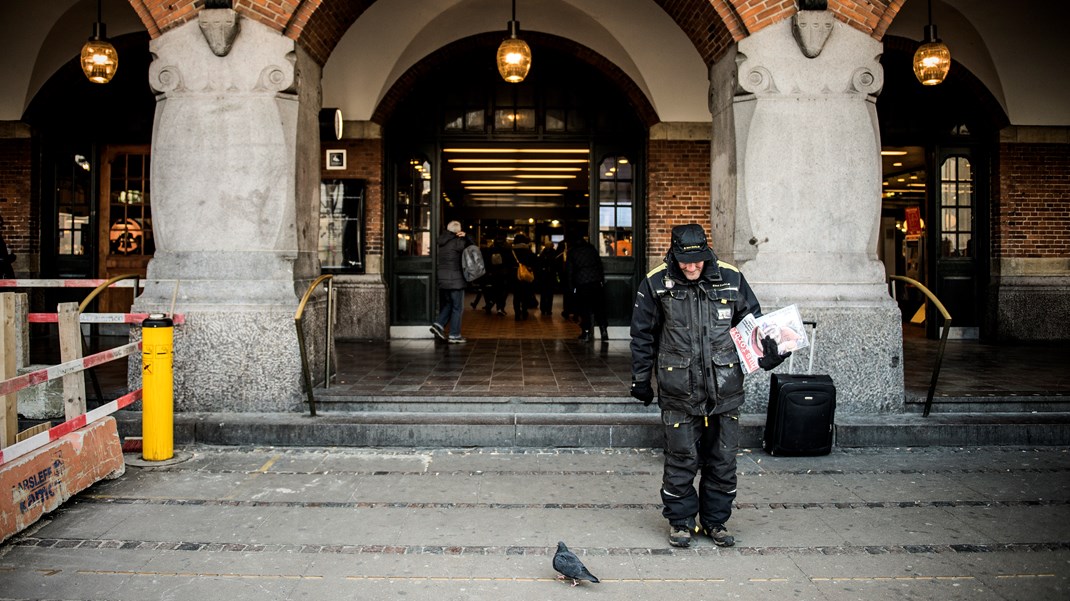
(523,285)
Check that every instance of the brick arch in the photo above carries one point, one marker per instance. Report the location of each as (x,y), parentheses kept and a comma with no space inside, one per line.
(404,84)
(711,25)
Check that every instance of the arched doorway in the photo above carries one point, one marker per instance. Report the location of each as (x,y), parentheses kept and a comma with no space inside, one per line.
(555,157)
(938,142)
(92,144)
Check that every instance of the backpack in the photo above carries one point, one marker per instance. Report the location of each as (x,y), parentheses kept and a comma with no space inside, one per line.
(472,263)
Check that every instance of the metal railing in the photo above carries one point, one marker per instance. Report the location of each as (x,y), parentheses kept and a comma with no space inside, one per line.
(82,306)
(943,337)
(298,316)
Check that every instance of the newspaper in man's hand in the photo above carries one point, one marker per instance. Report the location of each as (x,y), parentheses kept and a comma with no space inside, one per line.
(785,326)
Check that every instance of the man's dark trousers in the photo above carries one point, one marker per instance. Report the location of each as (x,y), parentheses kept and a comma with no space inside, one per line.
(695,443)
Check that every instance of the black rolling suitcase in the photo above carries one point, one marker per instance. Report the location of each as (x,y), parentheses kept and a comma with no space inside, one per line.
(802,410)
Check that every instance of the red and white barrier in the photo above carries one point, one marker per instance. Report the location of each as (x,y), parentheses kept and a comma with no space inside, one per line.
(39,440)
(66,283)
(134,318)
(51,373)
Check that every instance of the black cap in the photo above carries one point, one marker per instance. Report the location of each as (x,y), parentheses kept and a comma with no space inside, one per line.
(689,244)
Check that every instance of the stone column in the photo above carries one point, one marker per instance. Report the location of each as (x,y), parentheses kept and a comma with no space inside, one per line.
(796,197)
(235,172)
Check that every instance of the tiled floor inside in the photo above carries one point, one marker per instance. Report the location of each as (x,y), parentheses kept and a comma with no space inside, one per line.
(541,357)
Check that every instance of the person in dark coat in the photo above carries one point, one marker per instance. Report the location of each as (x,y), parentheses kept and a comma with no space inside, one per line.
(681,321)
(523,292)
(501,269)
(568,299)
(451,283)
(586,279)
(546,279)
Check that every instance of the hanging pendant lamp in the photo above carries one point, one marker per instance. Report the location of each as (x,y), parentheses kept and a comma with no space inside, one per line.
(932,60)
(99,58)
(514,54)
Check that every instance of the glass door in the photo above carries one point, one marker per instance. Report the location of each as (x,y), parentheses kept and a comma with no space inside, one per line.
(126,234)
(955,237)
(411,196)
(614,215)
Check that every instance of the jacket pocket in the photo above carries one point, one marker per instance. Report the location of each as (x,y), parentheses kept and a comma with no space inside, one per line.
(674,375)
(728,373)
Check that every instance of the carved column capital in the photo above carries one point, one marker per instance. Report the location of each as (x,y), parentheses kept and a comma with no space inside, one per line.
(769,63)
(260,61)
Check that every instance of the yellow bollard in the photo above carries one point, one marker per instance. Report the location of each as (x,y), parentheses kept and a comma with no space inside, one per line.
(157,383)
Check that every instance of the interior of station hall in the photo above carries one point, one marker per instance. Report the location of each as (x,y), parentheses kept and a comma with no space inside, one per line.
(617,133)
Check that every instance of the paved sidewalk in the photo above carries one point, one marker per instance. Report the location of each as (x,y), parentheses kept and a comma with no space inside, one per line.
(267,523)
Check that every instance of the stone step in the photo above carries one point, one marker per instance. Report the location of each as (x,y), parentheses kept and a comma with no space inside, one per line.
(597,430)
(1041,402)
(339,403)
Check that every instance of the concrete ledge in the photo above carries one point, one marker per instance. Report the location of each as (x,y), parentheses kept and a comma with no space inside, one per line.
(39,482)
(954,429)
(599,430)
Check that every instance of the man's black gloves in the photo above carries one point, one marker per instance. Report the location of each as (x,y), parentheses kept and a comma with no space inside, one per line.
(643,392)
(771,356)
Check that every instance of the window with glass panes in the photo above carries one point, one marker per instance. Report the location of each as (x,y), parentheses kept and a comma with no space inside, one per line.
(130,219)
(413,206)
(72,207)
(615,196)
(956,208)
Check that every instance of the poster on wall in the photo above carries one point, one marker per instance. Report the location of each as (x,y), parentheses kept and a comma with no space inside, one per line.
(913,220)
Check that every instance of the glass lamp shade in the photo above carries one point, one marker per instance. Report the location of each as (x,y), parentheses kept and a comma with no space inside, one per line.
(514,60)
(99,60)
(932,61)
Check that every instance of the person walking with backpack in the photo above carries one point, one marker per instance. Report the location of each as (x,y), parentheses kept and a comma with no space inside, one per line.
(451,283)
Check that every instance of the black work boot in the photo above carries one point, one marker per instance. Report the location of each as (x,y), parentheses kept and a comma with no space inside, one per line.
(605,334)
(585,336)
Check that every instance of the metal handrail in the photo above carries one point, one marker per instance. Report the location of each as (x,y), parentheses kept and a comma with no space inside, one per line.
(943,337)
(82,306)
(105,285)
(298,316)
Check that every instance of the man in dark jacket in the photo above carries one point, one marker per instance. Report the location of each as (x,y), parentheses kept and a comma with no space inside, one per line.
(501,268)
(585,279)
(683,312)
(451,283)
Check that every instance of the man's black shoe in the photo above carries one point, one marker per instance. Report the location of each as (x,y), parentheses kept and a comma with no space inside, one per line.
(585,336)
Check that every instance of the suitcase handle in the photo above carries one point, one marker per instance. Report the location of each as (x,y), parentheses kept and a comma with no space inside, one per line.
(813,347)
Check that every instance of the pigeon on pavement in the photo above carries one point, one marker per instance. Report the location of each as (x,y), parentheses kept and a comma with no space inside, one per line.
(570,566)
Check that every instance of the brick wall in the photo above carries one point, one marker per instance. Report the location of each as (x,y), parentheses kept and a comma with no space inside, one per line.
(15,198)
(364,160)
(1031,217)
(678,190)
